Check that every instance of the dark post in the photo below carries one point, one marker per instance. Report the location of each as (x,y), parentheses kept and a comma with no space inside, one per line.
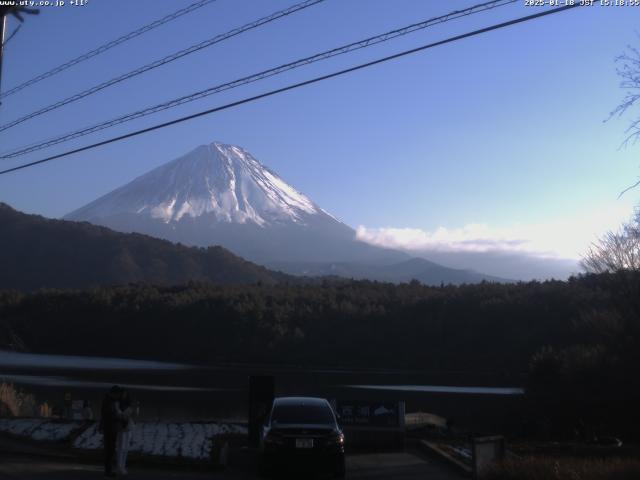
(3,24)
(67,405)
(261,393)
(485,452)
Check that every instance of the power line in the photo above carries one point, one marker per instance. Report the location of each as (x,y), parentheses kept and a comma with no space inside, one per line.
(256,77)
(163,61)
(295,86)
(107,46)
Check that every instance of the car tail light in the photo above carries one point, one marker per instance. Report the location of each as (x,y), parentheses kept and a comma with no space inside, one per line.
(336,439)
(273,439)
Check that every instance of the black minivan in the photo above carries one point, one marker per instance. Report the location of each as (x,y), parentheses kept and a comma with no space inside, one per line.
(302,432)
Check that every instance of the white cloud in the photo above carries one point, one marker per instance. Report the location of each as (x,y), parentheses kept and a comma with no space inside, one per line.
(567,238)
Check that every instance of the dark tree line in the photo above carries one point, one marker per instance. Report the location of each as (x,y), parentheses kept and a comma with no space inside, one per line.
(591,387)
(575,344)
(475,327)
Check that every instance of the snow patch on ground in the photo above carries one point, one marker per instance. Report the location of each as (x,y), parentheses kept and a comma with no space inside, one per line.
(39,429)
(176,440)
(463,452)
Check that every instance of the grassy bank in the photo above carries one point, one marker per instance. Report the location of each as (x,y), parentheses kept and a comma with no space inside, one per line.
(15,402)
(547,468)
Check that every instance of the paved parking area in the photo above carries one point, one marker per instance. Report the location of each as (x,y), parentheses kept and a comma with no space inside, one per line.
(401,465)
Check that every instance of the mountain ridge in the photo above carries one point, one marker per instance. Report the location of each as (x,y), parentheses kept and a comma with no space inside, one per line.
(415,268)
(37,252)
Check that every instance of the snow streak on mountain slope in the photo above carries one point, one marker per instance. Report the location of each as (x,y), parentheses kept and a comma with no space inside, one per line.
(218,179)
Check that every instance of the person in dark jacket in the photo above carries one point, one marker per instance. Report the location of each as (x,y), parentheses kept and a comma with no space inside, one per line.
(109,427)
(125,430)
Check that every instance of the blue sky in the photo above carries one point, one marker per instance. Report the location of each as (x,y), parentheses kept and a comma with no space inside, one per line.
(496,138)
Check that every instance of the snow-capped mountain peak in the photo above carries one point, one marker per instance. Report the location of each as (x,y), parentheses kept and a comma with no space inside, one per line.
(222,180)
(219,194)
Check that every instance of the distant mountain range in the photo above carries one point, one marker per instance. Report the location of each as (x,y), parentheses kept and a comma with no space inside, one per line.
(419,269)
(36,252)
(219,194)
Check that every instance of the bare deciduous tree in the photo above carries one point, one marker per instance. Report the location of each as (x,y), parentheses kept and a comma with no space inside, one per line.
(619,251)
(615,251)
(628,70)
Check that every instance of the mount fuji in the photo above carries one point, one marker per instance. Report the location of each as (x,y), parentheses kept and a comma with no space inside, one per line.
(219,194)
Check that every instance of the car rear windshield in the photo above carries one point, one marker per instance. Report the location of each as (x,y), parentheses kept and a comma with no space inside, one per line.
(302,414)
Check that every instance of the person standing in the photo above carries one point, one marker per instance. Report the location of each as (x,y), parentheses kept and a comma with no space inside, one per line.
(109,427)
(87,411)
(125,430)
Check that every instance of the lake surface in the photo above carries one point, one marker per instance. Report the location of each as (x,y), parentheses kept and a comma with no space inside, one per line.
(444,389)
(15,359)
(172,391)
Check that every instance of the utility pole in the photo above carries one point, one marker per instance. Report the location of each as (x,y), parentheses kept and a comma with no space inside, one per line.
(3,25)
(17,13)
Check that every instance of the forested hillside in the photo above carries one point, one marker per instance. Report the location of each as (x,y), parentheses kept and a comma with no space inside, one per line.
(36,252)
(474,327)
(575,345)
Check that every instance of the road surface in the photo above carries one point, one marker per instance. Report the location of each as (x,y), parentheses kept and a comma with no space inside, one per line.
(401,465)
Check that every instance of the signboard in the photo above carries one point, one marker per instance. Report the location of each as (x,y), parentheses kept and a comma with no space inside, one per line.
(485,452)
(363,413)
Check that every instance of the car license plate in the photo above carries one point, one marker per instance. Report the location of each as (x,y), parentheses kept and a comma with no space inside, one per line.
(304,443)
